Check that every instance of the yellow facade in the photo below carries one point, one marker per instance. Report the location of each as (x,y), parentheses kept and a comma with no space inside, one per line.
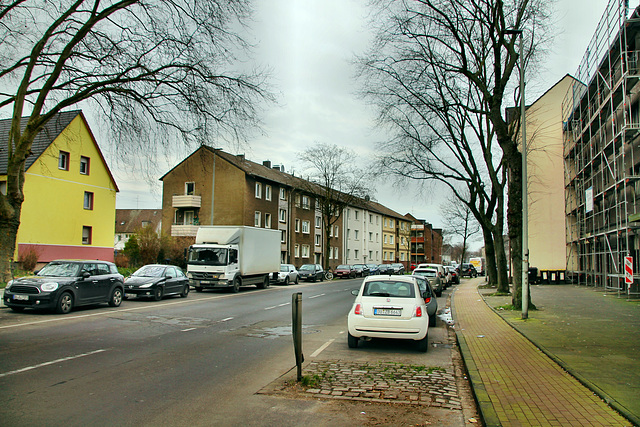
(54,214)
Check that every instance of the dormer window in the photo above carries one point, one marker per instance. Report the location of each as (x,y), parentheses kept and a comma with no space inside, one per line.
(189,188)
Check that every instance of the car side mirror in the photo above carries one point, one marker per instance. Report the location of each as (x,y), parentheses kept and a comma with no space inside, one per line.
(86,275)
(426,294)
(355,292)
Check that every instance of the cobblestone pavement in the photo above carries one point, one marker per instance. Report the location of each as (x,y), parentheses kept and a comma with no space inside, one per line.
(384,382)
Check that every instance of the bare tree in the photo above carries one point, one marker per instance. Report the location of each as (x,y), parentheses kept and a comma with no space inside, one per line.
(334,182)
(431,44)
(157,70)
(460,222)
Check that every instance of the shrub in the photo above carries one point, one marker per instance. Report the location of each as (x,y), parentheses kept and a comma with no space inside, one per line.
(29,258)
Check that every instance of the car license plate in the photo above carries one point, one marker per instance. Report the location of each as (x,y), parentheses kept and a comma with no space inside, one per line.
(206,282)
(130,295)
(21,297)
(387,312)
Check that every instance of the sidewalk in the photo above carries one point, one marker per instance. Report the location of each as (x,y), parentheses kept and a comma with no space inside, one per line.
(515,383)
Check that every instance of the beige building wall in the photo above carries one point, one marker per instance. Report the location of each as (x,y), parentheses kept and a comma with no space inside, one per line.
(547,228)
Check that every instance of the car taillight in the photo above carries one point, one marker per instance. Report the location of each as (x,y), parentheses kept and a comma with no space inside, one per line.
(358,309)
(418,311)
(427,300)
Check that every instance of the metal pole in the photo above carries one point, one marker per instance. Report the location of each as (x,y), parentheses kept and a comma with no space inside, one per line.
(525,201)
(296,329)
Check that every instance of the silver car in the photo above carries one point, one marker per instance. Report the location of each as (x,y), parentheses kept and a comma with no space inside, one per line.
(287,274)
(429,298)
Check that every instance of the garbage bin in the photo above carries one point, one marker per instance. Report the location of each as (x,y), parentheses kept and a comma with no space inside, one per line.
(533,275)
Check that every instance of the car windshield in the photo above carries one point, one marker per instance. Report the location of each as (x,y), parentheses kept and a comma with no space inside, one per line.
(389,288)
(208,256)
(426,273)
(343,267)
(150,271)
(60,269)
(306,267)
(284,268)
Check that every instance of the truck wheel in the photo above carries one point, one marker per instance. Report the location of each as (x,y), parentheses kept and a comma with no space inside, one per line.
(265,283)
(236,285)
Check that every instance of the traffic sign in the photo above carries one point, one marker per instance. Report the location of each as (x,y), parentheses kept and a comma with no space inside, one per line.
(628,270)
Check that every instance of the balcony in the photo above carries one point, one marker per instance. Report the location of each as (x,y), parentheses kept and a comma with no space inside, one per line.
(186,201)
(178,230)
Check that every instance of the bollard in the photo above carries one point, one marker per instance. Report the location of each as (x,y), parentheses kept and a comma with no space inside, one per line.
(296,329)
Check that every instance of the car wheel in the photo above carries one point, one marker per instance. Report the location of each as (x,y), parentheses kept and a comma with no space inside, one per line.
(286,281)
(432,320)
(185,291)
(236,285)
(297,280)
(423,344)
(352,341)
(17,309)
(116,298)
(198,289)
(158,293)
(65,303)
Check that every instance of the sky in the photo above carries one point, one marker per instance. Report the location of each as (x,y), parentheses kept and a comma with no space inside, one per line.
(309,45)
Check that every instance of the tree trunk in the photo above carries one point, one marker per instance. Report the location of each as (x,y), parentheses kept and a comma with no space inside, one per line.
(490,256)
(514,218)
(8,234)
(501,261)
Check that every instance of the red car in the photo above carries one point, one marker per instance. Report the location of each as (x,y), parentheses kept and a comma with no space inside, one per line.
(345,271)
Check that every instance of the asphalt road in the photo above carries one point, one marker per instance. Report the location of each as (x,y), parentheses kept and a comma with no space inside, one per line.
(195,361)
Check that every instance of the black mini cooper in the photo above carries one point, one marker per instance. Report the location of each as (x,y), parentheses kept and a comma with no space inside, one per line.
(64,284)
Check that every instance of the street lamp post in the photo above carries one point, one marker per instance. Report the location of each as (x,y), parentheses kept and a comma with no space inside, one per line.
(525,202)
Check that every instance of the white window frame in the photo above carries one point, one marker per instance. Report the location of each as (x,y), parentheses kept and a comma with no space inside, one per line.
(283,194)
(305,251)
(84,160)
(258,190)
(317,240)
(257,218)
(306,202)
(297,226)
(283,215)
(283,236)
(318,221)
(267,220)
(306,226)
(296,250)
(267,192)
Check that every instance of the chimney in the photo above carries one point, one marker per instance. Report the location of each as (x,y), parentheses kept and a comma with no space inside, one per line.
(240,156)
(267,163)
(279,168)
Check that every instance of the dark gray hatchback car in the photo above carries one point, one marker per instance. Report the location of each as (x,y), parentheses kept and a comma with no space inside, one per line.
(64,284)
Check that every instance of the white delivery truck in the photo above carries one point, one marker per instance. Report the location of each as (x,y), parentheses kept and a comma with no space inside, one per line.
(233,256)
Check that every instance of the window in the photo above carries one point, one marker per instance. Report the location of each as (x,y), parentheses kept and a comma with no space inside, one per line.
(386,222)
(384,256)
(402,256)
(297,201)
(257,218)
(258,190)
(283,236)
(282,215)
(267,220)
(370,236)
(297,225)
(335,253)
(356,214)
(63,161)
(305,202)
(305,251)
(318,221)
(391,239)
(283,194)
(385,239)
(355,253)
(305,226)
(88,200)
(296,251)
(189,188)
(3,187)
(391,223)
(370,219)
(84,165)
(348,233)
(317,240)
(370,255)
(377,237)
(86,235)
(267,192)
(336,231)
(355,234)
(391,257)
(146,224)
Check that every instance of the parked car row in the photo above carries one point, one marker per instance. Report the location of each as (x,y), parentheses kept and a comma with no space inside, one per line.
(62,285)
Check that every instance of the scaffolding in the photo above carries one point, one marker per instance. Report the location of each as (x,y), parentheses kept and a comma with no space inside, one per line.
(601,124)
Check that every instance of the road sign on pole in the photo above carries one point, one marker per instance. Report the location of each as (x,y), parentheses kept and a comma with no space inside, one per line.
(628,270)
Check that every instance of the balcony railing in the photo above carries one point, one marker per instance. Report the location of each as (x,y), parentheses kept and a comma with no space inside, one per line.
(186,201)
(183,230)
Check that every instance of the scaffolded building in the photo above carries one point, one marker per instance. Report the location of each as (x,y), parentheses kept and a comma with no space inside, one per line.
(601,124)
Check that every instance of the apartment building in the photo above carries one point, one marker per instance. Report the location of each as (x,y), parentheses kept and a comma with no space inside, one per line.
(426,241)
(601,133)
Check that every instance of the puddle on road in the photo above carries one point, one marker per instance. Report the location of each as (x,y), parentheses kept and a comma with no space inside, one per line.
(279,331)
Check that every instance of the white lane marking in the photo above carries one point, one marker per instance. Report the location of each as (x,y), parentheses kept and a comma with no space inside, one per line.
(285,304)
(64,359)
(272,307)
(188,329)
(226,319)
(322,347)
(316,296)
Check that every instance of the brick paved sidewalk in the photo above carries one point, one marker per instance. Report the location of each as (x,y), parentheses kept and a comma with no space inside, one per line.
(514,382)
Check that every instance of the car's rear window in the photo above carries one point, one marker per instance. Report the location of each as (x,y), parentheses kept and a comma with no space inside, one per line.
(389,288)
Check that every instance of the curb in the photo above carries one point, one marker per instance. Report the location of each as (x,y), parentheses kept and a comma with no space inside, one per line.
(483,401)
(588,384)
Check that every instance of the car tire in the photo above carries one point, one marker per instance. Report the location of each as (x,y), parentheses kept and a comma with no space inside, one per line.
(198,289)
(65,303)
(158,293)
(235,288)
(297,280)
(352,341)
(185,291)
(286,281)
(423,344)
(116,298)
(432,320)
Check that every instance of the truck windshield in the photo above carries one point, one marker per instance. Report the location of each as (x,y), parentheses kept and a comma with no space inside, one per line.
(208,256)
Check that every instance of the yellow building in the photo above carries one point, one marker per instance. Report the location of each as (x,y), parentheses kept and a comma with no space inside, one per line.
(69,193)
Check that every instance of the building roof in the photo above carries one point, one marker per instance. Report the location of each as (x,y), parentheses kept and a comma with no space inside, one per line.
(130,220)
(51,130)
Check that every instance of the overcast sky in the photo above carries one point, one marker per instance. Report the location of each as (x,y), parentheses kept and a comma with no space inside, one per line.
(309,45)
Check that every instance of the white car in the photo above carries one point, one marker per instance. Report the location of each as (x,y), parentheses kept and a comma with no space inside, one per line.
(442,273)
(287,274)
(389,307)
